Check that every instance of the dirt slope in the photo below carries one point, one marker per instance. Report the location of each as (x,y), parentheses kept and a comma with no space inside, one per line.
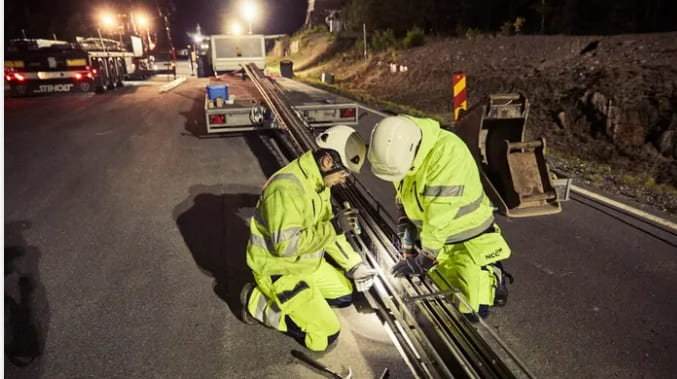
(607,105)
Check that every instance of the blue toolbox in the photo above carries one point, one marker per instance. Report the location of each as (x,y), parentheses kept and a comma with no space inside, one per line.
(217,90)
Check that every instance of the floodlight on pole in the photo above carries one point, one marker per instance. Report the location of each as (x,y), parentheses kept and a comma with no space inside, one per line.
(248,13)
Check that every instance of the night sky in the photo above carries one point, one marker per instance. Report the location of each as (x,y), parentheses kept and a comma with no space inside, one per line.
(41,18)
(277,16)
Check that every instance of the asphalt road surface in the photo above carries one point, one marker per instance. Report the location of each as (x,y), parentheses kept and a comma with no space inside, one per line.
(124,256)
(124,245)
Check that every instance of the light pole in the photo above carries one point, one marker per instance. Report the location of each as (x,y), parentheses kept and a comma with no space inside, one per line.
(143,22)
(101,39)
(248,13)
(107,22)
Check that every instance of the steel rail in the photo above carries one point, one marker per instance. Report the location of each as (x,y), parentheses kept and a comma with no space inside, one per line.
(462,351)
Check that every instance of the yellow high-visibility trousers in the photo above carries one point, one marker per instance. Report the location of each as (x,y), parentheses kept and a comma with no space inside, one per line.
(300,305)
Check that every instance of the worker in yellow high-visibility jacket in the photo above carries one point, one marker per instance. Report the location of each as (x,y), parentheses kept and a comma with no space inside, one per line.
(443,207)
(292,231)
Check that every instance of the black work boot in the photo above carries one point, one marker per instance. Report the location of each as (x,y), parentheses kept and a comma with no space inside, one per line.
(247,318)
(501,294)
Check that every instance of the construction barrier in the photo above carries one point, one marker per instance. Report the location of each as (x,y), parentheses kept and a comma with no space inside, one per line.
(460,96)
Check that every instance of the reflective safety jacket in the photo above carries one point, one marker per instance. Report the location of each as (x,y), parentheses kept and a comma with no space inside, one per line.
(290,229)
(442,194)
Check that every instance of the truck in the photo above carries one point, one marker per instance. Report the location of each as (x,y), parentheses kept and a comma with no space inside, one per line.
(41,66)
(234,104)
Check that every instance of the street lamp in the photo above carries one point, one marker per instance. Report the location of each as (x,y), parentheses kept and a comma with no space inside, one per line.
(142,20)
(235,28)
(248,13)
(108,22)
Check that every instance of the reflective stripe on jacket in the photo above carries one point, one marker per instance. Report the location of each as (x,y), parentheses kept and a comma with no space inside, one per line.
(290,229)
(442,194)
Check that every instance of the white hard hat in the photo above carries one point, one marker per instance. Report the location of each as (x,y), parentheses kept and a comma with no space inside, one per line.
(392,148)
(347,143)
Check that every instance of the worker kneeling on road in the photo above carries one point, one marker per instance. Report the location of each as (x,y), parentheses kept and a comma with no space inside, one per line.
(292,228)
(443,208)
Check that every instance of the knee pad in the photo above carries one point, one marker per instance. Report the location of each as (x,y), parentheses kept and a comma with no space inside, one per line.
(341,302)
(294,331)
(483,312)
(332,339)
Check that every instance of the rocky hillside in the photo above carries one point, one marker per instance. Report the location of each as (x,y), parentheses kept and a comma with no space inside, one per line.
(607,105)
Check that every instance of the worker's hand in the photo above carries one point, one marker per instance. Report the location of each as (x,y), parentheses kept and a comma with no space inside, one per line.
(363,276)
(406,232)
(345,220)
(413,265)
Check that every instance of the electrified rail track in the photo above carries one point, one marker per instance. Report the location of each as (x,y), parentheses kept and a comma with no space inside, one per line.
(433,337)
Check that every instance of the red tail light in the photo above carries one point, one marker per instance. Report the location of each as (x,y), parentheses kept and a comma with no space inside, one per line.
(19,77)
(8,77)
(348,112)
(78,76)
(217,119)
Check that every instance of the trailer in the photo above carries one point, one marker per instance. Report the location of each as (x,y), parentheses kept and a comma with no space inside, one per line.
(234,104)
(39,66)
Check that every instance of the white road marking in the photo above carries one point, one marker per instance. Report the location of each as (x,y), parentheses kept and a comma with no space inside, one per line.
(171,85)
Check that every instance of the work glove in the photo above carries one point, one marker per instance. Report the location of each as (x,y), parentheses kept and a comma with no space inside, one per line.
(363,276)
(345,221)
(406,233)
(413,265)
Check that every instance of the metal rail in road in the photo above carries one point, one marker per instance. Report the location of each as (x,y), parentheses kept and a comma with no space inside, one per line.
(433,337)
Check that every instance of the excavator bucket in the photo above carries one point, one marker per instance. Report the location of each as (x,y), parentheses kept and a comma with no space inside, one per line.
(514,172)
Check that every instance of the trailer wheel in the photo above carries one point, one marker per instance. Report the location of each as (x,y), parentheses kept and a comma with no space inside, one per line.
(120,70)
(113,69)
(103,77)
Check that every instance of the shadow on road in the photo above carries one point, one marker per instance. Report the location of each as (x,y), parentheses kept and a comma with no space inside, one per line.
(26,307)
(215,228)
(195,117)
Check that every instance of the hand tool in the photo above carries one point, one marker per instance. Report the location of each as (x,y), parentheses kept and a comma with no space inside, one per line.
(315,364)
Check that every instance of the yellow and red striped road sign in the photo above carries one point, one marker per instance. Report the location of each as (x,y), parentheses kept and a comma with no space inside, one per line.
(460,96)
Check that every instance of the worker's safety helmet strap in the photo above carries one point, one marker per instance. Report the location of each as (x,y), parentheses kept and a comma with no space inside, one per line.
(345,141)
(393,146)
